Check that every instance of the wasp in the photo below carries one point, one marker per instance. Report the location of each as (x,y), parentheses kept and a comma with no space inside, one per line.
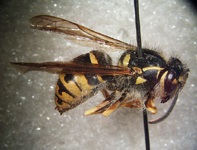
(135,82)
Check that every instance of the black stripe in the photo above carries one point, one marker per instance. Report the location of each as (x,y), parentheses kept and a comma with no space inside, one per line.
(59,100)
(68,77)
(102,58)
(77,85)
(92,79)
(62,88)
(83,59)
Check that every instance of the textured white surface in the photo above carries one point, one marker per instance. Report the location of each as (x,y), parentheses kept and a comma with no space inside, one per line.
(27,116)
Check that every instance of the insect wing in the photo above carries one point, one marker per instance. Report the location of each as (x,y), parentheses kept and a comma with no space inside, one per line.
(77,32)
(71,67)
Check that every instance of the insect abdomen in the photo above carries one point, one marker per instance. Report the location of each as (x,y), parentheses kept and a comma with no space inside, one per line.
(72,90)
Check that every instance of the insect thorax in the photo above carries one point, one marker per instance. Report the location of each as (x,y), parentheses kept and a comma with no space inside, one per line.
(146,69)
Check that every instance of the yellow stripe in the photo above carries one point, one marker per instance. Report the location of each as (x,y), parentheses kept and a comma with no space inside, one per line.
(100,79)
(64,97)
(71,86)
(126,60)
(140,80)
(93,59)
(158,74)
(83,83)
(163,78)
(152,68)
(64,105)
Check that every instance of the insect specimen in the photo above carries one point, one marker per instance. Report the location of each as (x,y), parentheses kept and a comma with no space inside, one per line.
(135,82)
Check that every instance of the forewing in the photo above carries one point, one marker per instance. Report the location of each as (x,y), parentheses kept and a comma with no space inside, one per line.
(71,68)
(76,32)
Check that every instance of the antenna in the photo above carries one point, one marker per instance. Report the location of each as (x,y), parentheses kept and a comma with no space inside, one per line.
(139,49)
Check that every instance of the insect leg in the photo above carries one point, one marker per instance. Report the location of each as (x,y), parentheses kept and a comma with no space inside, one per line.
(102,106)
(168,111)
(132,104)
(150,105)
(115,105)
(105,93)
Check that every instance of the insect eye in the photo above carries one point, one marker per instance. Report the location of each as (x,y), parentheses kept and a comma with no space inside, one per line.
(170,85)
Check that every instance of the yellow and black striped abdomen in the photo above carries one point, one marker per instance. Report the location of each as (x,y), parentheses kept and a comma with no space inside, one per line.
(72,90)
